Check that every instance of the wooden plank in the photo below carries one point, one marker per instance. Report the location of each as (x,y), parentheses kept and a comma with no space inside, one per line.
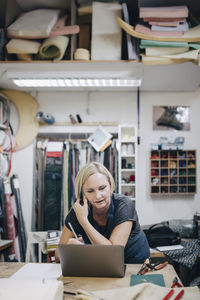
(27,108)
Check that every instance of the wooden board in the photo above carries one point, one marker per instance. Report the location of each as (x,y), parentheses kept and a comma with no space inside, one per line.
(192,35)
(27,108)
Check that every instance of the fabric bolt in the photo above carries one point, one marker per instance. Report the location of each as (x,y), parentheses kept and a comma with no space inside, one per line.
(16,240)
(70,180)
(20,219)
(66,161)
(121,210)
(53,188)
(11,230)
(54,48)
(186,256)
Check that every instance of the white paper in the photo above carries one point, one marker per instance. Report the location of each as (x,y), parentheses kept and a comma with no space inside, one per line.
(38,271)
(168,248)
(31,289)
(99,138)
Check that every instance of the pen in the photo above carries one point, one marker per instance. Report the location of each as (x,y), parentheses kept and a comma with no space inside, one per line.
(72,229)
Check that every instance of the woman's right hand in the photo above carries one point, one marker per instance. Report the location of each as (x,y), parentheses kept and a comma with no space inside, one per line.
(81,211)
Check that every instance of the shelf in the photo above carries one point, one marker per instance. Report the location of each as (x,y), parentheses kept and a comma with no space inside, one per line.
(127,160)
(86,127)
(126,155)
(173,172)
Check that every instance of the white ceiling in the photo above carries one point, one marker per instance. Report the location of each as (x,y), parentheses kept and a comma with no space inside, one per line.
(179,77)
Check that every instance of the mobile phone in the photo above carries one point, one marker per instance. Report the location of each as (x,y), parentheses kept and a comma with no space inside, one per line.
(81,198)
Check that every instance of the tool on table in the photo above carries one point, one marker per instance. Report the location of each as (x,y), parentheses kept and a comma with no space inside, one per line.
(175,282)
(148,266)
(171,292)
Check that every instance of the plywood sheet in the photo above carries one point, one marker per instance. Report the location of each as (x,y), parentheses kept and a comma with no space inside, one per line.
(27,108)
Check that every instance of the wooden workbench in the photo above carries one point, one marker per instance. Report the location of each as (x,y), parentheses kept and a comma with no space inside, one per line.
(72,284)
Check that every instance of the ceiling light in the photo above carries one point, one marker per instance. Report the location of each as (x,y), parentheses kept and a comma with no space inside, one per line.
(77,82)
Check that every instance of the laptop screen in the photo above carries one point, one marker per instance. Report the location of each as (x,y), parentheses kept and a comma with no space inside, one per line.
(92,260)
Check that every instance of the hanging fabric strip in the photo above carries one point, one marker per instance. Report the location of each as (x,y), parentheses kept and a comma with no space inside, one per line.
(3,227)
(11,229)
(20,220)
(41,186)
(138,113)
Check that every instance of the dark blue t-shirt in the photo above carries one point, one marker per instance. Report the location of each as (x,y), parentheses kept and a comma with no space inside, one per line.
(121,209)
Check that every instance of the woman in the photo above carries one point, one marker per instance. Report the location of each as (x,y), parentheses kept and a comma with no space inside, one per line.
(104,217)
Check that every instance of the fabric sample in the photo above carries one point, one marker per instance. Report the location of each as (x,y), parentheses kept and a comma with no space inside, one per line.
(186,256)
(54,48)
(18,46)
(146,30)
(35,23)
(180,11)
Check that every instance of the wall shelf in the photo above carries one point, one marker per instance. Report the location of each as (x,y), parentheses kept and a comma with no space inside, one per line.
(127,160)
(173,172)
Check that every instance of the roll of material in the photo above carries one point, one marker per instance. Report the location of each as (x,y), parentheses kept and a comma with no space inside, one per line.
(54,48)
(81,54)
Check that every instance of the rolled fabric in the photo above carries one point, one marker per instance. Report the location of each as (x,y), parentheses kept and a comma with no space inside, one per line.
(82,54)
(54,48)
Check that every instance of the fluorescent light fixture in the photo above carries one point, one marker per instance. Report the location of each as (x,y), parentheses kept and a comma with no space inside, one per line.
(77,82)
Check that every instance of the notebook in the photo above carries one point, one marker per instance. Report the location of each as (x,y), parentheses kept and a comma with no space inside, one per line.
(92,260)
(153,278)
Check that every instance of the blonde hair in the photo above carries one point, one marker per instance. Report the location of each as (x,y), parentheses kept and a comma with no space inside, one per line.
(88,170)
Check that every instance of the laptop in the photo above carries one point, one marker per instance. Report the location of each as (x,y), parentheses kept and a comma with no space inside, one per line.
(92,260)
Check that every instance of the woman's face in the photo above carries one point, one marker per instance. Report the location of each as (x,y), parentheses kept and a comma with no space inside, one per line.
(97,190)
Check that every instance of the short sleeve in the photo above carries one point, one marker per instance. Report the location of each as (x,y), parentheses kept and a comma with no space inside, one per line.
(125,211)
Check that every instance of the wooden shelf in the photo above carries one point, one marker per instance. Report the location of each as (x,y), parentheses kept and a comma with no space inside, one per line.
(173,172)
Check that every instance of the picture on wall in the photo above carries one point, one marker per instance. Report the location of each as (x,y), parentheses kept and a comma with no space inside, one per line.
(171,118)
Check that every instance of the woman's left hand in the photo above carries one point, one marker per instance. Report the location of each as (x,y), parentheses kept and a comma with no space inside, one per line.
(81,211)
